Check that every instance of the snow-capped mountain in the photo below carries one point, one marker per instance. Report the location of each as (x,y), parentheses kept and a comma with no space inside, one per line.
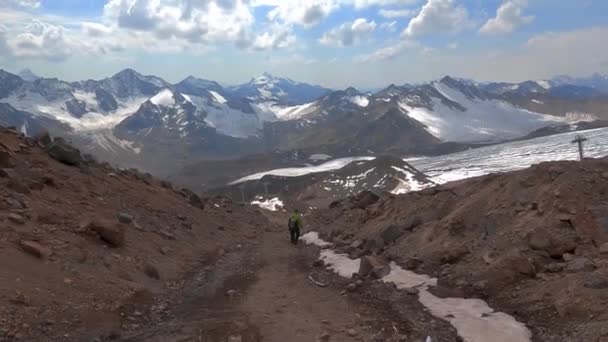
(131,114)
(596,81)
(283,90)
(28,75)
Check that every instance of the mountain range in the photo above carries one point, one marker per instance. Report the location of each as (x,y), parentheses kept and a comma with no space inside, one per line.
(143,121)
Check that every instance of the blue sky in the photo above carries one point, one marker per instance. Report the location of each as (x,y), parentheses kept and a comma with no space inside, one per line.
(336,43)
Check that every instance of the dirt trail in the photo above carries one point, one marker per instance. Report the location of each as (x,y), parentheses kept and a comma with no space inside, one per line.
(260,291)
(284,303)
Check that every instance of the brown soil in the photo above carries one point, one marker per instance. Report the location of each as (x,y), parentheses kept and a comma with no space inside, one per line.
(530,242)
(92,253)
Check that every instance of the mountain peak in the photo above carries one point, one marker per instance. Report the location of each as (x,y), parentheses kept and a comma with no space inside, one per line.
(127,73)
(351,91)
(28,75)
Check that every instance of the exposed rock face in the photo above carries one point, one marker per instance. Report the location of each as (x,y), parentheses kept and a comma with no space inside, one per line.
(64,153)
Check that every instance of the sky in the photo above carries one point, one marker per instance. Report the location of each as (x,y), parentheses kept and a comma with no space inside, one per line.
(334,43)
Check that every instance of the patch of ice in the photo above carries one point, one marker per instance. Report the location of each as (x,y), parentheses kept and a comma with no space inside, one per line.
(314,239)
(272,204)
(163,98)
(537,101)
(473,319)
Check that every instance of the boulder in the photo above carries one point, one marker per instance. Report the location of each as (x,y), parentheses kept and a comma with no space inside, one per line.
(5,160)
(374,266)
(113,234)
(373,246)
(34,248)
(364,199)
(16,218)
(454,254)
(555,244)
(604,248)
(596,282)
(391,234)
(64,153)
(44,138)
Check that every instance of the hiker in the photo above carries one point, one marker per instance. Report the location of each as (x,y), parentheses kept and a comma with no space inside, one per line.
(295,225)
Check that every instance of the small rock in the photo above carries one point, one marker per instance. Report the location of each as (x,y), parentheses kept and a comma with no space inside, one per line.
(324,337)
(151,271)
(231,293)
(318,263)
(352,287)
(113,234)
(16,218)
(34,248)
(359,282)
(580,265)
(555,267)
(235,338)
(352,332)
(595,281)
(125,218)
(165,250)
(411,291)
(373,266)
(604,248)
(568,257)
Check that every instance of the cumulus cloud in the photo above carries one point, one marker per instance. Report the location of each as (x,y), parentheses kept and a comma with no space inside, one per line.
(388,52)
(509,17)
(278,37)
(95,29)
(41,40)
(401,13)
(303,13)
(438,16)
(349,33)
(191,20)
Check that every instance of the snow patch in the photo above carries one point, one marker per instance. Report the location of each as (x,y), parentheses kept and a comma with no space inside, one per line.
(474,320)
(272,204)
(319,157)
(164,98)
(537,101)
(361,101)
(301,171)
(217,97)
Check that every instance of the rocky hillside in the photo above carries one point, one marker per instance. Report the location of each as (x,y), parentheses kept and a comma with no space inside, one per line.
(86,248)
(318,187)
(532,242)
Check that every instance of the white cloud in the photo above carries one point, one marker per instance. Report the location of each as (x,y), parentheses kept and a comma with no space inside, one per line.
(369,3)
(95,29)
(40,40)
(388,52)
(278,37)
(349,33)
(190,20)
(26,4)
(391,13)
(389,26)
(304,13)
(453,45)
(438,16)
(509,17)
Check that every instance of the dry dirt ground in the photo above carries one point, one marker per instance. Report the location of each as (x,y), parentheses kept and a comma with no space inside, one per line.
(93,253)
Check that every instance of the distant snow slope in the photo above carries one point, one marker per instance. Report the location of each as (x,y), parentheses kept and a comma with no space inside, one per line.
(482,119)
(511,156)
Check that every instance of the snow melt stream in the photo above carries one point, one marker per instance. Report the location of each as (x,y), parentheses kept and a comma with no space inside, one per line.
(474,320)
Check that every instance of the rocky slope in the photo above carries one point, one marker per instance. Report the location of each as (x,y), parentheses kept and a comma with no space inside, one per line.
(85,248)
(532,242)
(318,188)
